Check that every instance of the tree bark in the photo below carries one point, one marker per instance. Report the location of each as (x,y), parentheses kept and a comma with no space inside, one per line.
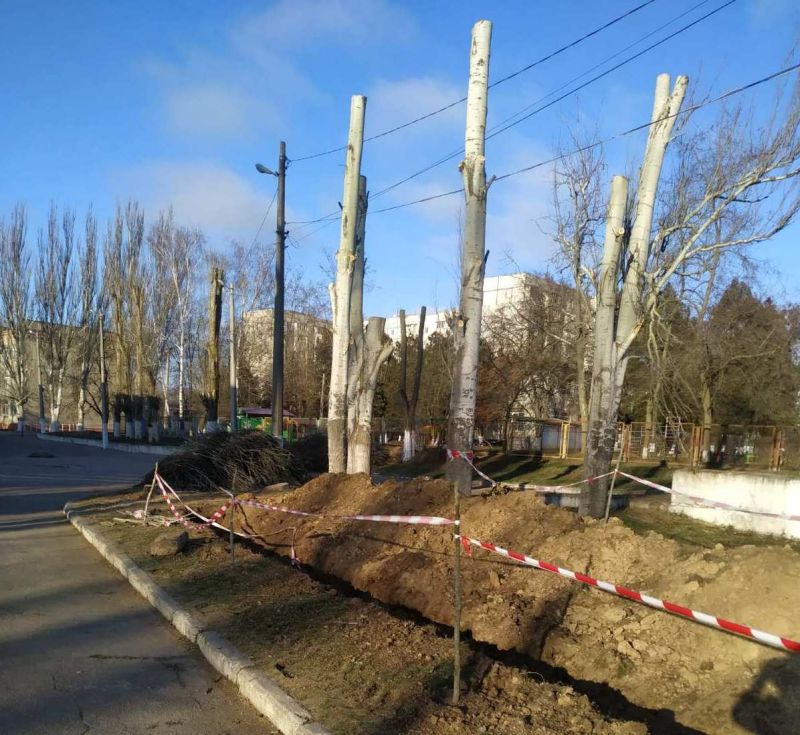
(355,357)
(376,348)
(467,322)
(602,406)
(340,292)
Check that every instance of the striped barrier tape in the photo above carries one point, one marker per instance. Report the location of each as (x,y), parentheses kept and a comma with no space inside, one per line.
(469,458)
(706,501)
(414,520)
(215,516)
(779,642)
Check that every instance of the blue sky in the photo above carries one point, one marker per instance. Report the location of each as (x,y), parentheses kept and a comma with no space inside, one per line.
(173,102)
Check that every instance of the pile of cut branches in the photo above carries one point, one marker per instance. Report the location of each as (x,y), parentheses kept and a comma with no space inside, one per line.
(246,461)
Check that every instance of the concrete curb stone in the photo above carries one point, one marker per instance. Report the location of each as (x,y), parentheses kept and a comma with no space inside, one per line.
(223,655)
(283,711)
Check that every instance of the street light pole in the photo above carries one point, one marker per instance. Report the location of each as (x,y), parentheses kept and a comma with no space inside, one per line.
(42,423)
(103,386)
(232,359)
(277,312)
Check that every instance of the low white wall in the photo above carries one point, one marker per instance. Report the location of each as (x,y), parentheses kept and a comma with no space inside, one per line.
(754,492)
(112,445)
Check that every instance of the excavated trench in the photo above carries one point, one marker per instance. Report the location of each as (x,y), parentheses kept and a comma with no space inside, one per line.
(632,662)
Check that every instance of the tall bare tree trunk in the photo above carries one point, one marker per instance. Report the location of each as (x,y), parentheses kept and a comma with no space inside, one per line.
(467,322)
(355,356)
(409,404)
(602,407)
(375,348)
(211,388)
(665,108)
(604,402)
(340,291)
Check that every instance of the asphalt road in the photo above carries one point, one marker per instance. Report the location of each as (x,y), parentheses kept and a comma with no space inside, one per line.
(80,650)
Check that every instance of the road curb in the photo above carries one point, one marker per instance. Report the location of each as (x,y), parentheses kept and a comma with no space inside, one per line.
(282,710)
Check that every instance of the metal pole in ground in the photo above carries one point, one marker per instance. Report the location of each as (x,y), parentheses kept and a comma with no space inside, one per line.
(152,485)
(613,482)
(457,598)
(104,389)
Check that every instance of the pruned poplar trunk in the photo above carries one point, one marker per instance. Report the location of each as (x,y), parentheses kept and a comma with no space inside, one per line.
(467,321)
(409,404)
(602,407)
(621,332)
(580,368)
(375,348)
(211,388)
(355,356)
(340,290)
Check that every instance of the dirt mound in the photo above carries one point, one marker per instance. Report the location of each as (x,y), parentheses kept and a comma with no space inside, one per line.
(712,681)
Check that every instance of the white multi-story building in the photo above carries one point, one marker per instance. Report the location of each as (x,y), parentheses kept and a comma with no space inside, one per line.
(499,292)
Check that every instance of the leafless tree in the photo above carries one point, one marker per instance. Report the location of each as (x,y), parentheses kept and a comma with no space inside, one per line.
(15,311)
(57,304)
(91,303)
(578,208)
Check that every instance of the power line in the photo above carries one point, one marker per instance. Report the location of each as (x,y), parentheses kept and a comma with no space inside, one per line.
(498,129)
(613,68)
(595,144)
(263,221)
(506,78)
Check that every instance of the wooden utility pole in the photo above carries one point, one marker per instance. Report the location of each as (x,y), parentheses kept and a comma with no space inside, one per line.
(467,322)
(103,385)
(232,357)
(277,312)
(340,290)
(211,392)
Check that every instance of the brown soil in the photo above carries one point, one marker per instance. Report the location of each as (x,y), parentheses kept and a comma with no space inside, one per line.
(712,681)
(359,667)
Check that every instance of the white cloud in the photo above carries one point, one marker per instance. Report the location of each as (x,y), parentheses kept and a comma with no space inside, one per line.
(391,102)
(210,109)
(206,195)
(303,23)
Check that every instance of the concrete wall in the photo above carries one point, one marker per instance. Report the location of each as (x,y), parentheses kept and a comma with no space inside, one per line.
(113,446)
(755,492)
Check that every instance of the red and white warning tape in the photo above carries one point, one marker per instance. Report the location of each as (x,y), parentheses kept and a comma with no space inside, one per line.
(215,516)
(415,520)
(706,501)
(468,457)
(784,644)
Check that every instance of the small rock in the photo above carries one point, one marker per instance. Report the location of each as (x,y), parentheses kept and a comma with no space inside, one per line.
(494,579)
(719,547)
(169,543)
